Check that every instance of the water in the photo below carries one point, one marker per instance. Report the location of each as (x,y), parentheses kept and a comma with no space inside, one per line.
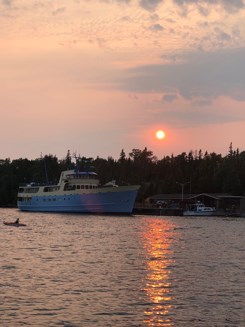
(73,270)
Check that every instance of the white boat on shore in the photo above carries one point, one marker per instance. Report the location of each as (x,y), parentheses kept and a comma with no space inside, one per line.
(79,192)
(199,209)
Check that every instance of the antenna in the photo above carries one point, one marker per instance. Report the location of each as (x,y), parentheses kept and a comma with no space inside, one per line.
(45,168)
(76,160)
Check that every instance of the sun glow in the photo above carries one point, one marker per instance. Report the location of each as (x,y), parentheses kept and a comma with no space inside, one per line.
(160,135)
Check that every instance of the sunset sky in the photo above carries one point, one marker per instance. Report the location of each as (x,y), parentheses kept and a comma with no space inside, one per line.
(96,77)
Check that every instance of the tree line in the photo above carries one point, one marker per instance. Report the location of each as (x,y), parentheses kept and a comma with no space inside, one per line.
(199,172)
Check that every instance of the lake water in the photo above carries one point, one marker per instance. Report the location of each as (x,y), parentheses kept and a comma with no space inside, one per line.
(80,270)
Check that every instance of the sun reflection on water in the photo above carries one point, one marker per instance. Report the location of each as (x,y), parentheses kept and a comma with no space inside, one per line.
(157,238)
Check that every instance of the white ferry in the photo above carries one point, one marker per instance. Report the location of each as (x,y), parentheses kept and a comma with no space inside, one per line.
(79,192)
(199,209)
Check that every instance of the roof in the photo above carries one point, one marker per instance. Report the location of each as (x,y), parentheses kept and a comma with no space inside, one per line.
(178,196)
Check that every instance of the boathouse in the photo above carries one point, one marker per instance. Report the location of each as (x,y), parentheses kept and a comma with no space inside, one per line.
(225,204)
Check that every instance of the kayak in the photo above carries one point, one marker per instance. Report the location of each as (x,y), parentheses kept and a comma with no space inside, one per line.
(14,224)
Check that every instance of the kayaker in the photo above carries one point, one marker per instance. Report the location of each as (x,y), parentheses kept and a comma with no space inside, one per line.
(17,221)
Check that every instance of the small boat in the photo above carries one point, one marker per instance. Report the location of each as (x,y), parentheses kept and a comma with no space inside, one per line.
(199,209)
(14,224)
(78,192)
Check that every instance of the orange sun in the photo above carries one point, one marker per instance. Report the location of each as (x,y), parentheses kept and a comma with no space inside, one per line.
(160,135)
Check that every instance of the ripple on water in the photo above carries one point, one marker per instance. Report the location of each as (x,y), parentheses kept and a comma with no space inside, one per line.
(73,270)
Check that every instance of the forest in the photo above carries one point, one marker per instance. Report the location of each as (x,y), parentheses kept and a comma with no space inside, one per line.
(199,172)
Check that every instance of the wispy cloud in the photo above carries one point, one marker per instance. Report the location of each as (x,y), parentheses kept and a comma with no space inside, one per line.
(200,75)
(156,27)
(59,10)
(204,6)
(150,5)
(228,5)
(7,2)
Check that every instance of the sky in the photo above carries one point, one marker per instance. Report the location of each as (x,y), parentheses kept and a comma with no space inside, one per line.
(96,77)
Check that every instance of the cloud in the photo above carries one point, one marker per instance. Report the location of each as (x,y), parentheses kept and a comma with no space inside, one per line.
(226,4)
(201,75)
(59,11)
(7,2)
(231,6)
(150,5)
(195,117)
(156,28)
(169,97)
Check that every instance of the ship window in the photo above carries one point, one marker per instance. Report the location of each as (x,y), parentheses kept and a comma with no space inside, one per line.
(78,187)
(82,186)
(31,189)
(51,188)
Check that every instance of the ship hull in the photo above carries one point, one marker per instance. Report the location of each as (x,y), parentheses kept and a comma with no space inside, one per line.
(101,202)
(200,213)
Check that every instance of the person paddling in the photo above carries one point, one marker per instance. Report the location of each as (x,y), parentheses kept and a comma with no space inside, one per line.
(17,221)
